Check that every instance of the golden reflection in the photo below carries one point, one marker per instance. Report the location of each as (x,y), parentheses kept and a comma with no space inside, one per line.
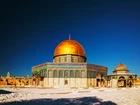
(69,47)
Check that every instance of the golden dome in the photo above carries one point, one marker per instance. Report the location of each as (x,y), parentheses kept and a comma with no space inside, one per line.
(121,67)
(69,47)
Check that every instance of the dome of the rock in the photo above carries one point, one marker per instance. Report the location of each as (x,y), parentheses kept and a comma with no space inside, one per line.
(69,47)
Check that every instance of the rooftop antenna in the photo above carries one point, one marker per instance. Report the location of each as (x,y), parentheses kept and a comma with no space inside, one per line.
(69,37)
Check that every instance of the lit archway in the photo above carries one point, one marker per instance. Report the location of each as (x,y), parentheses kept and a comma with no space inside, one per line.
(122,82)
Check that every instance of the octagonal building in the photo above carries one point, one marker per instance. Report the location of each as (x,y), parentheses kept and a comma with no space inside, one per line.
(69,68)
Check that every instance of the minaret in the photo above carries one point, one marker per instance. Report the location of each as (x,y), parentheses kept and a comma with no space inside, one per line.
(69,37)
(8,74)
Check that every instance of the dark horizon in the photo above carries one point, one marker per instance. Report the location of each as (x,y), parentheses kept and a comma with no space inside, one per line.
(31,30)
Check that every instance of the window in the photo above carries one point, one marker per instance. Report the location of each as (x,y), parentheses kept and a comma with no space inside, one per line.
(59,59)
(55,73)
(61,73)
(65,59)
(66,73)
(71,73)
(83,73)
(77,74)
(72,59)
(50,73)
(78,59)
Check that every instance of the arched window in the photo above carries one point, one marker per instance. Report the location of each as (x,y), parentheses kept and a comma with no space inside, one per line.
(83,73)
(71,73)
(77,74)
(61,73)
(59,59)
(65,59)
(66,73)
(72,59)
(121,77)
(50,73)
(55,73)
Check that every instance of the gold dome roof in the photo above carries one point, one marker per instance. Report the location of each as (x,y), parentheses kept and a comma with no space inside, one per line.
(121,66)
(69,47)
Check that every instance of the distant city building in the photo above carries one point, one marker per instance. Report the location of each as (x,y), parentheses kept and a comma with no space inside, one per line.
(8,75)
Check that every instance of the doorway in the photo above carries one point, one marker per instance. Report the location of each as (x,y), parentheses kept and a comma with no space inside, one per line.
(66,82)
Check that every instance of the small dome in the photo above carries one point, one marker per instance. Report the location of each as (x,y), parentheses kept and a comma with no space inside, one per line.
(69,47)
(121,66)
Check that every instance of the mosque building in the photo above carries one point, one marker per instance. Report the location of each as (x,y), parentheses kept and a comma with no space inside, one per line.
(69,69)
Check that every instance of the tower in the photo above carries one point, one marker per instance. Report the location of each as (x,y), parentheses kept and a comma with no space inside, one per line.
(8,74)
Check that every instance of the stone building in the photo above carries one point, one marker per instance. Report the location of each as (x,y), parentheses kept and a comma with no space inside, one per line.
(18,81)
(70,69)
(121,77)
(137,82)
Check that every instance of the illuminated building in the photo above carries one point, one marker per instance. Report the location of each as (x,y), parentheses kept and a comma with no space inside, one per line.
(70,69)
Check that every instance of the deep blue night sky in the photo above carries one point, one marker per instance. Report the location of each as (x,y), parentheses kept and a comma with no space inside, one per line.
(109,31)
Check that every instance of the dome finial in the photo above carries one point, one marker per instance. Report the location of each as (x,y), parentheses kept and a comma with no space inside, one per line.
(69,37)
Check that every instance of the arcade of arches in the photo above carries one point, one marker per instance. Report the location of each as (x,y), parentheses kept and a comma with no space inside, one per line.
(121,77)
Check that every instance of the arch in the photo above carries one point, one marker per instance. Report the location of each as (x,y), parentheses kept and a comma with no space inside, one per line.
(77,74)
(130,77)
(98,82)
(121,77)
(122,81)
(65,59)
(83,73)
(55,73)
(130,81)
(66,74)
(50,73)
(71,73)
(60,73)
